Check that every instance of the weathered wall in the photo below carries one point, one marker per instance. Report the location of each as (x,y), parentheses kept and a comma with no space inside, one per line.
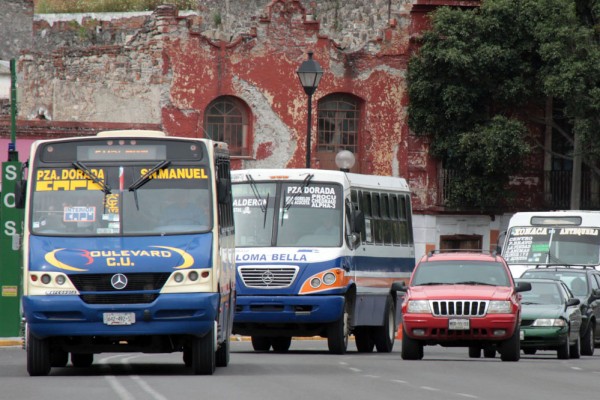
(15,27)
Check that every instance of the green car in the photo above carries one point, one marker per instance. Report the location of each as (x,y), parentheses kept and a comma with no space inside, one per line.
(550,318)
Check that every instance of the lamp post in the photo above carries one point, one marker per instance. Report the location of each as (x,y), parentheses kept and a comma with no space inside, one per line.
(310,74)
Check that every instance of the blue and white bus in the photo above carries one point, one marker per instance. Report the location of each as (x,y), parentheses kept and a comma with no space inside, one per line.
(128,247)
(316,254)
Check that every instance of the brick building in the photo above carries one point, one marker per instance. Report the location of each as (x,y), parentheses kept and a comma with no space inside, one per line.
(228,71)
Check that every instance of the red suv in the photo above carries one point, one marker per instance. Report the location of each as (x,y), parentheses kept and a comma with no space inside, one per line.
(462,299)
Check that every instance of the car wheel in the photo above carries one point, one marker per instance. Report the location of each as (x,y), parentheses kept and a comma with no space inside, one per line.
(562,352)
(489,352)
(281,344)
(474,351)
(412,349)
(261,343)
(384,336)
(511,348)
(363,339)
(574,349)
(587,341)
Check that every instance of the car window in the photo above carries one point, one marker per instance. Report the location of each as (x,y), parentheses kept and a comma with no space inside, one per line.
(596,282)
(455,272)
(542,293)
(575,280)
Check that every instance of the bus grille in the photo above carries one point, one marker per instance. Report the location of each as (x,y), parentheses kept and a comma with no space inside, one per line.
(275,277)
(101,282)
(119,298)
(459,308)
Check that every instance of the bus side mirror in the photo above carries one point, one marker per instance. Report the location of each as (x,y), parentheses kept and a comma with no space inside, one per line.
(20,190)
(358,221)
(223,191)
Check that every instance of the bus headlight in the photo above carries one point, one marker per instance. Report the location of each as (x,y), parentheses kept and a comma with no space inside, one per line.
(186,281)
(329,278)
(49,284)
(333,278)
(315,282)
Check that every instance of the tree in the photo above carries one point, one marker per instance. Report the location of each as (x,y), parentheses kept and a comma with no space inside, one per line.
(482,75)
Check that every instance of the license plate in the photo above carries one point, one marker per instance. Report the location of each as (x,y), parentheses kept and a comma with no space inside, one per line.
(458,324)
(119,318)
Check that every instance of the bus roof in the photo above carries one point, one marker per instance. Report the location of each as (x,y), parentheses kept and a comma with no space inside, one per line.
(586,218)
(131,132)
(352,179)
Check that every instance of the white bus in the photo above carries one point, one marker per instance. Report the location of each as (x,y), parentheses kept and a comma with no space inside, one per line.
(128,246)
(552,238)
(316,254)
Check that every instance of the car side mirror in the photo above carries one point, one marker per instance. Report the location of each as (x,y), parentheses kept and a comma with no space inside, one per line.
(522,287)
(574,301)
(399,287)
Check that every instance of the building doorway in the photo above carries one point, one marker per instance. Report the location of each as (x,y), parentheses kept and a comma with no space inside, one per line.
(461,242)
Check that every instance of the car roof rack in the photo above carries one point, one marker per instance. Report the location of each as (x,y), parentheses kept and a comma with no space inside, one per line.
(475,251)
(565,266)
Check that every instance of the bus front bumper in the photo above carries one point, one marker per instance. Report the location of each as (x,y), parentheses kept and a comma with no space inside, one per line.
(169,314)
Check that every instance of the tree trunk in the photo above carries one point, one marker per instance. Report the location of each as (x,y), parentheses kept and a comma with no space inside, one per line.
(576,178)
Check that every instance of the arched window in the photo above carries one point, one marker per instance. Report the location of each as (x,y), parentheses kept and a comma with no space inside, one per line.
(338,128)
(226,120)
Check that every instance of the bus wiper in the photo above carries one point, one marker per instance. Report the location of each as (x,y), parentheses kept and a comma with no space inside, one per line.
(81,166)
(289,202)
(145,178)
(263,207)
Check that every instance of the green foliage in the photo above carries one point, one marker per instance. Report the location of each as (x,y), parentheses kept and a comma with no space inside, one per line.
(476,71)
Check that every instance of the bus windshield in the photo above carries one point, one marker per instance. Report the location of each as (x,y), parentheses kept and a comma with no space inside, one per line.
(288,214)
(553,245)
(103,199)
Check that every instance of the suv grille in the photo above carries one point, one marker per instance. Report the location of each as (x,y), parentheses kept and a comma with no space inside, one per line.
(459,308)
(268,277)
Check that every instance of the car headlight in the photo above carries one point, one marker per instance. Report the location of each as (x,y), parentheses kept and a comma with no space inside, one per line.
(549,322)
(499,307)
(418,307)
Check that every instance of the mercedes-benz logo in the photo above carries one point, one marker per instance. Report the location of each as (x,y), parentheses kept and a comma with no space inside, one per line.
(267,277)
(118,281)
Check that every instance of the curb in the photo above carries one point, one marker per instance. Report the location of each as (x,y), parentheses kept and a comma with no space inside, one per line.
(5,342)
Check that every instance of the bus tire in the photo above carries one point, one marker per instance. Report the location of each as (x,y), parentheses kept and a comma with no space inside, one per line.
(222,356)
(261,343)
(338,332)
(281,344)
(82,360)
(363,339)
(58,358)
(38,355)
(203,354)
(384,336)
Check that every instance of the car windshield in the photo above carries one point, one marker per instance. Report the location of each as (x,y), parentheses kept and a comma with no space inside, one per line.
(542,293)
(576,281)
(461,272)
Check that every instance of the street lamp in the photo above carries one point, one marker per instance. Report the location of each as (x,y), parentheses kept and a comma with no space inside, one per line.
(310,74)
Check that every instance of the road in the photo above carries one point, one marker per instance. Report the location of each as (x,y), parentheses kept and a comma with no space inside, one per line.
(308,371)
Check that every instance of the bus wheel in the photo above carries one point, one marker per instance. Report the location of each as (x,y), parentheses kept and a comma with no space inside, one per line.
(384,336)
(38,355)
(82,360)
(337,334)
(261,343)
(58,358)
(203,354)
(223,353)
(363,339)
(281,344)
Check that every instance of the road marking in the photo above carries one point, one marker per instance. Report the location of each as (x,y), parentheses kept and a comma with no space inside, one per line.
(467,395)
(144,385)
(355,369)
(399,381)
(430,388)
